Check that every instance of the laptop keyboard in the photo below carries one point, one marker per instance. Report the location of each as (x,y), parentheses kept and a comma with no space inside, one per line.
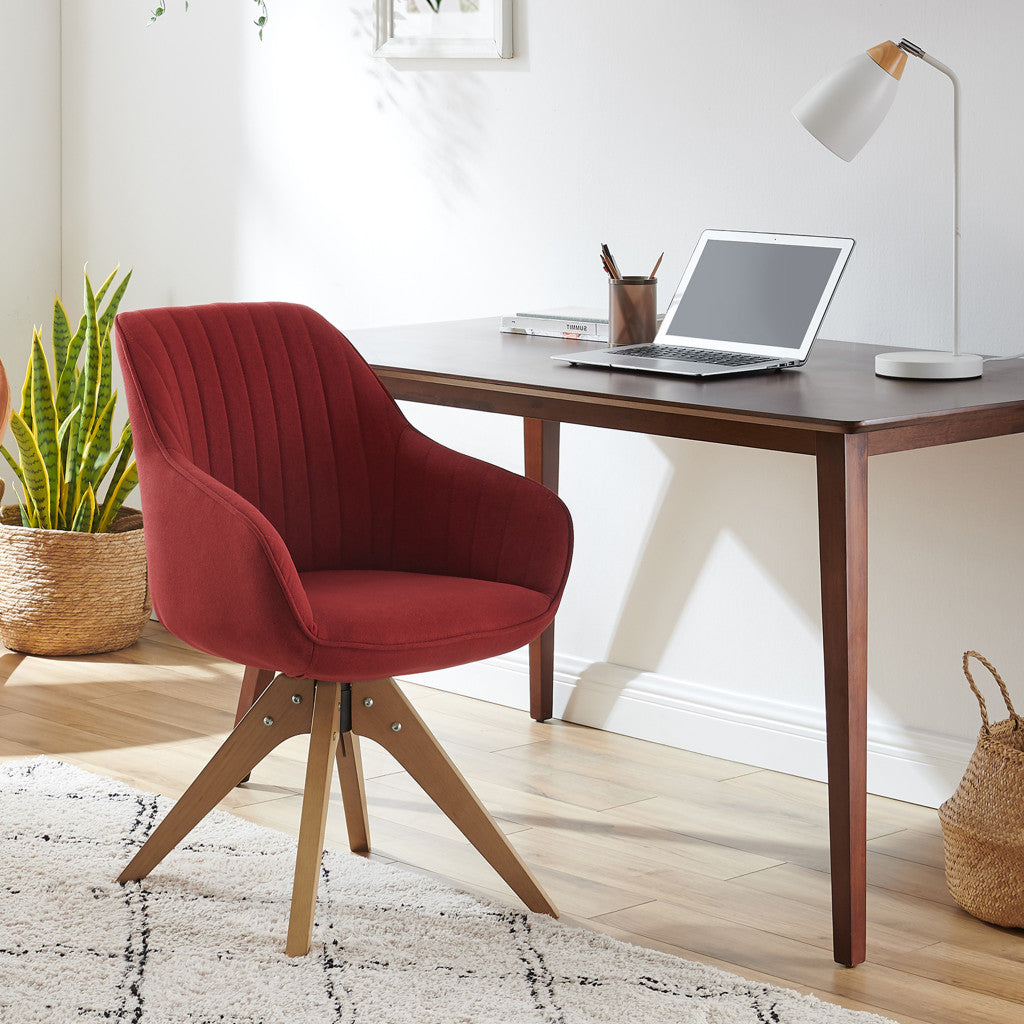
(697,355)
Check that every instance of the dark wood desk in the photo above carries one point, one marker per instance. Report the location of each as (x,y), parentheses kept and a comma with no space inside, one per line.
(834,408)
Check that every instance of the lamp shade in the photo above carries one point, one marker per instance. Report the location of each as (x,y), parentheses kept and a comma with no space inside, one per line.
(846,107)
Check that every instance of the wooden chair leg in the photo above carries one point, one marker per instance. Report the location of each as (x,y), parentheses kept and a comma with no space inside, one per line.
(391,721)
(323,743)
(252,739)
(254,682)
(353,792)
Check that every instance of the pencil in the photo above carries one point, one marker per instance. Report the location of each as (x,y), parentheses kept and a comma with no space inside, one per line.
(656,265)
(609,263)
(611,260)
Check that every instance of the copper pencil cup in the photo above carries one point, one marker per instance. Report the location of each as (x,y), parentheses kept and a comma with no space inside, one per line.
(632,311)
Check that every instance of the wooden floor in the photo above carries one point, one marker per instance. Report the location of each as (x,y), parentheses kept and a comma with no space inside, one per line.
(712,860)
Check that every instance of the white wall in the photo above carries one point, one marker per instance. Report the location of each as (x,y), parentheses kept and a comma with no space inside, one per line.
(29,175)
(303,168)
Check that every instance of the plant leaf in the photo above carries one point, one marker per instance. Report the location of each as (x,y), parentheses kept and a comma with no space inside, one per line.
(106,365)
(69,374)
(124,450)
(61,337)
(88,382)
(37,483)
(86,514)
(102,290)
(106,321)
(13,464)
(96,449)
(26,396)
(63,441)
(126,483)
(70,461)
(121,454)
(62,430)
(44,418)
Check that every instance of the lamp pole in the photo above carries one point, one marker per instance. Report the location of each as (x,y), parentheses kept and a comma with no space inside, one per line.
(916,51)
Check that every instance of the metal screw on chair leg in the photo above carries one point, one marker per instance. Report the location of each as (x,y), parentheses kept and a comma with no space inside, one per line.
(268,720)
(367,702)
(296,698)
(396,726)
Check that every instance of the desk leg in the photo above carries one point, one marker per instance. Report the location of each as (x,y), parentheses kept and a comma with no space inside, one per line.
(540,439)
(843,546)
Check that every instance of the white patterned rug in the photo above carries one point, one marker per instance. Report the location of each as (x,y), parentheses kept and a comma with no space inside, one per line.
(201,940)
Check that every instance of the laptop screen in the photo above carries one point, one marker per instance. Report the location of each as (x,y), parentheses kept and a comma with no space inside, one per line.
(755,292)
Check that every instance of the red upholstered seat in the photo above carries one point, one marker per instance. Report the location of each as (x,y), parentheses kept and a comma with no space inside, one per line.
(415,621)
(297,524)
(294,519)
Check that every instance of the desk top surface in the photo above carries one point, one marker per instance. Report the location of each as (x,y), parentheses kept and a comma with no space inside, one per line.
(836,389)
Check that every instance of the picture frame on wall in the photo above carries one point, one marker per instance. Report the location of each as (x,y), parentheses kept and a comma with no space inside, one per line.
(443,28)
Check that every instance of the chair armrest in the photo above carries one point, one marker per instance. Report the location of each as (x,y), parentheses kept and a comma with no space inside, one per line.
(220,574)
(458,516)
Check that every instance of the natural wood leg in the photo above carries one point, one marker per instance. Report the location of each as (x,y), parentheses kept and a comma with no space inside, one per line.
(415,748)
(540,442)
(254,682)
(323,742)
(247,745)
(843,544)
(353,792)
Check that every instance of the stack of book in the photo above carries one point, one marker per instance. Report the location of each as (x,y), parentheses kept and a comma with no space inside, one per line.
(570,322)
(574,323)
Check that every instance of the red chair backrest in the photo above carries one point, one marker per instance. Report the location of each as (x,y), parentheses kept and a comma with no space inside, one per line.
(272,401)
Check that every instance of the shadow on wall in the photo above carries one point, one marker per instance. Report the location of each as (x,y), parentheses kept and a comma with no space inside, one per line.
(730,551)
(764,502)
(443,104)
(947,554)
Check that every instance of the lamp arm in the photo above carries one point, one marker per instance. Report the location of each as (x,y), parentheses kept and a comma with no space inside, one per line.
(916,51)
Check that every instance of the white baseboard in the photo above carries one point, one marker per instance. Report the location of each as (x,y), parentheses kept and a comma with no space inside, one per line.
(915,766)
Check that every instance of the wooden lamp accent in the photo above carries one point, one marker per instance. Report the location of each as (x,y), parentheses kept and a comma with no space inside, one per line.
(890,58)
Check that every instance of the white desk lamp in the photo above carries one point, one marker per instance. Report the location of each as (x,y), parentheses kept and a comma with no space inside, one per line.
(842,112)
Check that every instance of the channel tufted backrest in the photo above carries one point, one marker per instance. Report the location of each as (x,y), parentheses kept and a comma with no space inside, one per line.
(272,401)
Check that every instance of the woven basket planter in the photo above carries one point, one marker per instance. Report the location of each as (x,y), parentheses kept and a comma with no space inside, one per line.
(72,593)
(983,821)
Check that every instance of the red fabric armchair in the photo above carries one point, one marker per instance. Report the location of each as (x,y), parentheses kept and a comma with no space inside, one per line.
(298,524)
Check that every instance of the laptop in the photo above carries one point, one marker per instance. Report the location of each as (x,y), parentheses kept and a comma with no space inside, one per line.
(747,303)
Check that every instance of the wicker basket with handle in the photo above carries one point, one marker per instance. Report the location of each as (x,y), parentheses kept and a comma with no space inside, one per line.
(64,593)
(983,821)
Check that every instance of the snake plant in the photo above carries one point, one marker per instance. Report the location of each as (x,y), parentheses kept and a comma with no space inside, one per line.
(64,426)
